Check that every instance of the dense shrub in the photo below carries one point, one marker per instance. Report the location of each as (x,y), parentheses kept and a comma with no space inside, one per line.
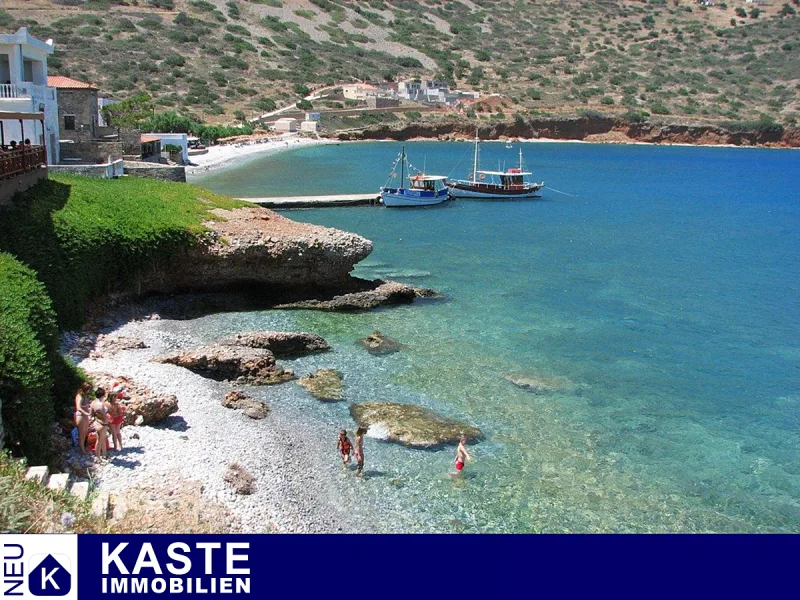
(28,344)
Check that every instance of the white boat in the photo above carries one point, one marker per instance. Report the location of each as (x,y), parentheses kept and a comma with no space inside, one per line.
(512,183)
(422,189)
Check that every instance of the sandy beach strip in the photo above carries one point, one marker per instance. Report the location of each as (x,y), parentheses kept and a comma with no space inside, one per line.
(228,154)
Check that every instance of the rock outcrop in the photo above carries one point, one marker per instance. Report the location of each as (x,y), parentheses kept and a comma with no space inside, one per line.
(251,407)
(379,344)
(281,343)
(589,128)
(143,406)
(374,294)
(325,385)
(411,425)
(258,247)
(230,363)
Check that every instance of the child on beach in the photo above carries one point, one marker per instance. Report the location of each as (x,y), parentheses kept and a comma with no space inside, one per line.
(344,446)
(359,450)
(116,414)
(461,456)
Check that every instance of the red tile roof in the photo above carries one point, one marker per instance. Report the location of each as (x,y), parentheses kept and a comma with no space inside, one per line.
(149,138)
(65,83)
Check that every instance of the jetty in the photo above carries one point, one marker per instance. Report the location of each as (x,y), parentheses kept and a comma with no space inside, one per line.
(368,198)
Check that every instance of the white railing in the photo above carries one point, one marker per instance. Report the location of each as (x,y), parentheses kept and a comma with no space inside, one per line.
(9,90)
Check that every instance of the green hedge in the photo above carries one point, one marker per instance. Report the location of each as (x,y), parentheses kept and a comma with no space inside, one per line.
(86,237)
(28,349)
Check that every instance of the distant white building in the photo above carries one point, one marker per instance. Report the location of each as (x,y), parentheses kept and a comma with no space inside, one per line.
(23,89)
(309,126)
(359,91)
(430,91)
(286,124)
(174,139)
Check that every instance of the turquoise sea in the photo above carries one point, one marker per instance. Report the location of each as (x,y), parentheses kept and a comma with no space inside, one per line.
(662,294)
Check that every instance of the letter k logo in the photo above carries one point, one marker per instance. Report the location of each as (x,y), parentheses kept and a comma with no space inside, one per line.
(50,577)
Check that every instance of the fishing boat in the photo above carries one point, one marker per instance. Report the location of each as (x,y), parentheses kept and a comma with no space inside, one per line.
(512,183)
(422,189)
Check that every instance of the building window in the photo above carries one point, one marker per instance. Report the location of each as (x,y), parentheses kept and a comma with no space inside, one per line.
(69,122)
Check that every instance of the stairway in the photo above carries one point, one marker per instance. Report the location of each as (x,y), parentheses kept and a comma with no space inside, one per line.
(59,482)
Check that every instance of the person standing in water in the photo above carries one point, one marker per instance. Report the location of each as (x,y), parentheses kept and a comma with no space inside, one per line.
(344,446)
(461,455)
(359,450)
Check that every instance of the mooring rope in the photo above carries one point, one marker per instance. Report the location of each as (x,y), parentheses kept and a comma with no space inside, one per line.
(547,187)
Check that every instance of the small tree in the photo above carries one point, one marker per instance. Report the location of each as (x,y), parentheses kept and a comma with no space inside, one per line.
(129,113)
(740,12)
(304,105)
(755,12)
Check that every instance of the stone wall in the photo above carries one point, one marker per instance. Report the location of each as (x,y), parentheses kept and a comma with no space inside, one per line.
(20,183)
(83,105)
(155,171)
(92,151)
(105,171)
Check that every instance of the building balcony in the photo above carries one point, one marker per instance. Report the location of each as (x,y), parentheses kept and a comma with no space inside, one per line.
(22,160)
(10,91)
(27,90)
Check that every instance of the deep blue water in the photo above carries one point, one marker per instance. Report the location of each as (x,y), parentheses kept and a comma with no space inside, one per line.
(664,291)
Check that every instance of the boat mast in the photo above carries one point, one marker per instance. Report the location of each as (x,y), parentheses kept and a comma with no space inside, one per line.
(520,160)
(402,164)
(475,160)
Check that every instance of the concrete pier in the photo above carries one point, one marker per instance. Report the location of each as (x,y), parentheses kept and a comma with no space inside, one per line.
(316,201)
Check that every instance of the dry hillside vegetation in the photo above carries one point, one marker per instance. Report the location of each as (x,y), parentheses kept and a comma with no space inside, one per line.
(212,58)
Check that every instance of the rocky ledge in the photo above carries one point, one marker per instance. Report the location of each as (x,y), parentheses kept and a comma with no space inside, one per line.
(411,425)
(258,247)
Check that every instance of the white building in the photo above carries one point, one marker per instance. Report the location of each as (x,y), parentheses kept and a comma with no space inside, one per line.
(359,91)
(286,124)
(309,126)
(23,89)
(174,139)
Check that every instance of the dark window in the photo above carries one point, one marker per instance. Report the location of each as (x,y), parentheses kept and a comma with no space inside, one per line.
(69,122)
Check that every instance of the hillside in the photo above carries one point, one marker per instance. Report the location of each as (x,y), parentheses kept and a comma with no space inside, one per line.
(210,58)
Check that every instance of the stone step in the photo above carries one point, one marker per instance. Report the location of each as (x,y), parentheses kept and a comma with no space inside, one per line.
(58,482)
(101,505)
(80,489)
(38,474)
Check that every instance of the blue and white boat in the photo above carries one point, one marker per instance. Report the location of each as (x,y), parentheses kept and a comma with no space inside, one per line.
(422,189)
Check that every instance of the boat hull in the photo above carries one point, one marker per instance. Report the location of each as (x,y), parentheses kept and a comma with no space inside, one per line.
(489,191)
(402,197)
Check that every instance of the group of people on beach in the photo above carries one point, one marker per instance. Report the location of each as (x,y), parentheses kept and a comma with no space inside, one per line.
(345,447)
(99,415)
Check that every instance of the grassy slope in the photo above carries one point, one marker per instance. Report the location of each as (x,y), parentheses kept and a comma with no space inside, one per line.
(668,57)
(88,236)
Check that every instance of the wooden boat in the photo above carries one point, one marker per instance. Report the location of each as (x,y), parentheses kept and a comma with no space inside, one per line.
(512,183)
(422,189)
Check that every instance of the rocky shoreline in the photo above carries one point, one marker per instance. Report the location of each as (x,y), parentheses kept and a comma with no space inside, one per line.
(199,410)
(587,129)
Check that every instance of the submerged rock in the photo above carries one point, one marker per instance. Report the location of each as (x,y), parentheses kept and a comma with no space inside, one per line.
(325,385)
(238,363)
(411,425)
(379,344)
(143,406)
(539,384)
(253,408)
(280,343)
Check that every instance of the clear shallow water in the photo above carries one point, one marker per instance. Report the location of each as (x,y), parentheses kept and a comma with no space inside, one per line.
(666,291)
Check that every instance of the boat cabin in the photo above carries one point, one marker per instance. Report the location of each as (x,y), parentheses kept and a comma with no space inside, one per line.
(427,183)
